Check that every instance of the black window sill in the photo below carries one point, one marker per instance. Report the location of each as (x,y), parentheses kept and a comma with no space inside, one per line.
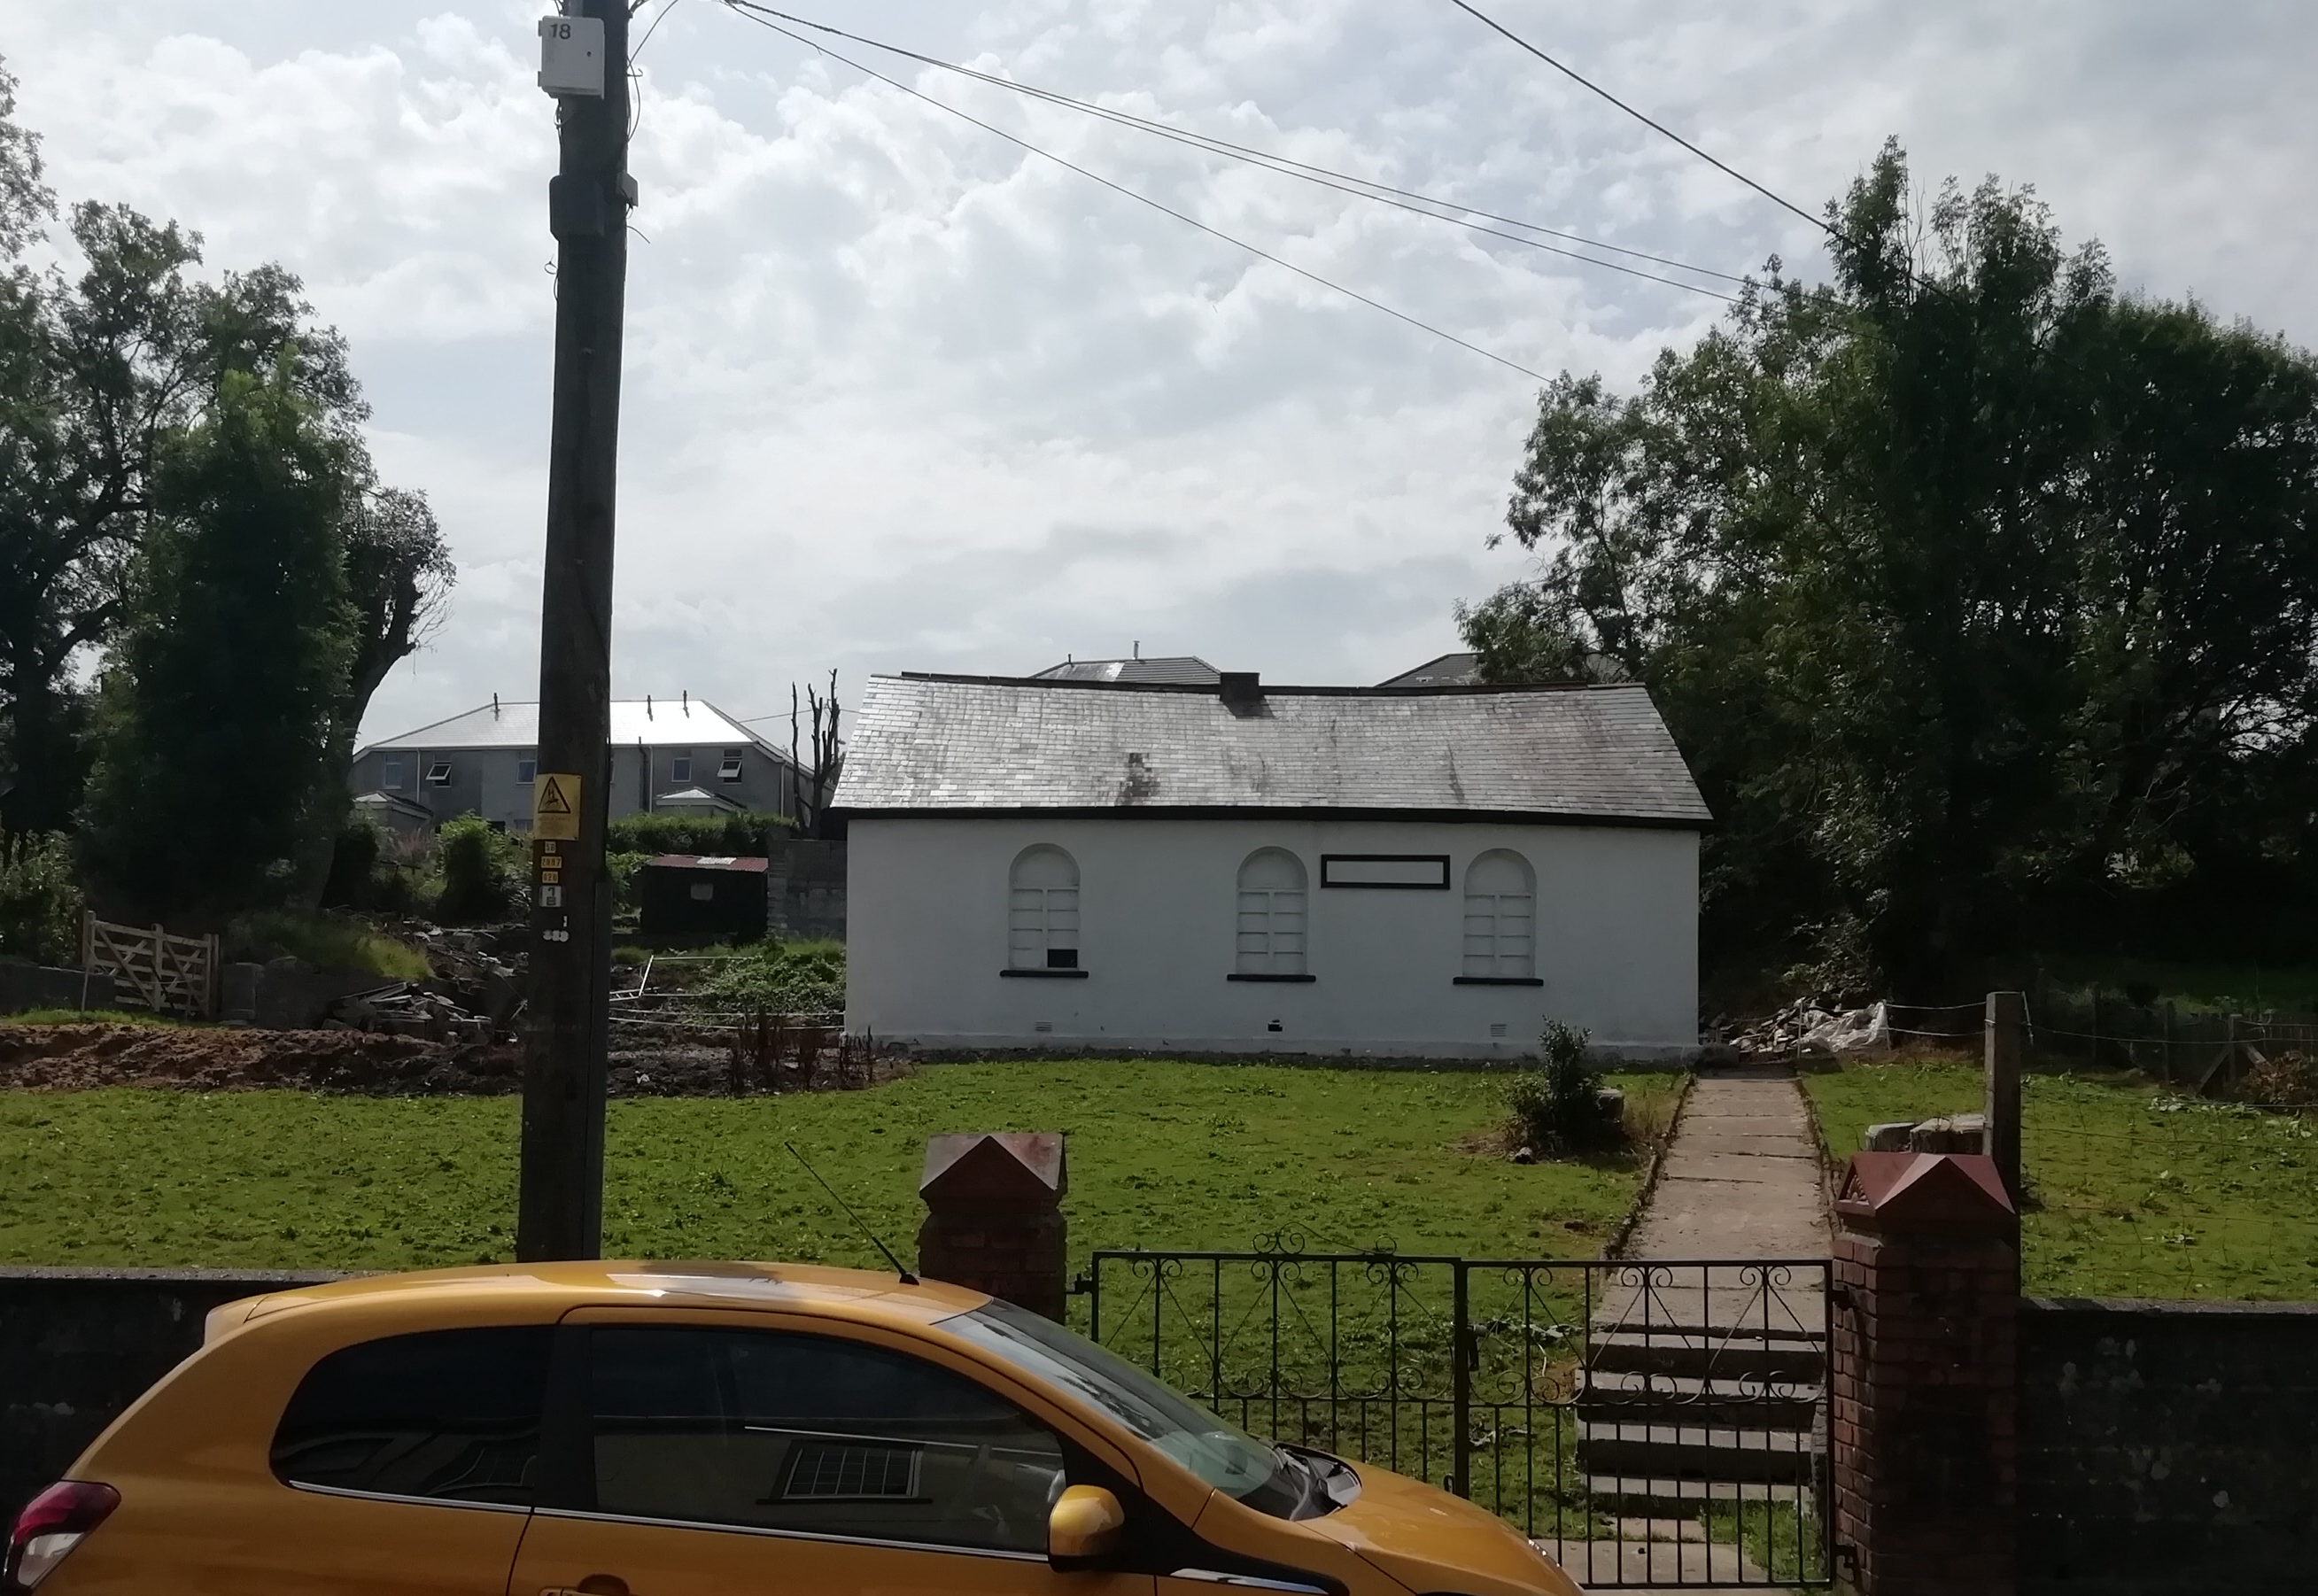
(1499,981)
(1044,974)
(1301,979)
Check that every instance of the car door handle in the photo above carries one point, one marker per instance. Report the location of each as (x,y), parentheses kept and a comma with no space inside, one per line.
(595,1585)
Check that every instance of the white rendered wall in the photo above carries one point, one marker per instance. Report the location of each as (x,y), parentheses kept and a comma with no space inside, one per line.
(926,902)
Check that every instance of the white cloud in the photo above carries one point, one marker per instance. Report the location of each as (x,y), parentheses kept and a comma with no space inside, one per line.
(900,395)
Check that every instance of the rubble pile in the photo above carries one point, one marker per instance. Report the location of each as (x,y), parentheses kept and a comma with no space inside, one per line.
(1806,1028)
(403,1010)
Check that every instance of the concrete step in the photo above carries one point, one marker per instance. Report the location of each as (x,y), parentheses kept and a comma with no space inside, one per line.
(1637,1397)
(1699,1452)
(1708,1354)
(1678,1499)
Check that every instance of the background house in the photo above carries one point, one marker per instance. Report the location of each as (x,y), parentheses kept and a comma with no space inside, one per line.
(1391,871)
(681,753)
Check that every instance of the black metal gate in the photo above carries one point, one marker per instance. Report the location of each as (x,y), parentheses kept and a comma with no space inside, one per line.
(1650,1422)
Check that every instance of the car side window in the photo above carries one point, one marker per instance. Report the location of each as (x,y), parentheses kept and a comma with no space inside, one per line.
(770,1431)
(450,1414)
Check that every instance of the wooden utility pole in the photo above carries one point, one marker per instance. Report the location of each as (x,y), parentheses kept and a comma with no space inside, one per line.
(561,1200)
(2005,1025)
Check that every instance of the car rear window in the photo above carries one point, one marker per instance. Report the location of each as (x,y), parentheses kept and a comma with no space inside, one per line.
(447,1414)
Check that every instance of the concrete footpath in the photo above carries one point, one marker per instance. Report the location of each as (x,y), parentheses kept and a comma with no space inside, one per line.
(1740,1180)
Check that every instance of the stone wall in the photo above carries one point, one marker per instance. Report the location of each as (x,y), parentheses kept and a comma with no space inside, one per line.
(2167,1448)
(25,986)
(804,888)
(78,1346)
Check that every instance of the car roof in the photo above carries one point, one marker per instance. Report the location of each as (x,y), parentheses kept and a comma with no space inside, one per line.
(862,1295)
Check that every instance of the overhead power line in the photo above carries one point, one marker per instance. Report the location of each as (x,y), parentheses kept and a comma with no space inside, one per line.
(749,12)
(1366,188)
(1649,122)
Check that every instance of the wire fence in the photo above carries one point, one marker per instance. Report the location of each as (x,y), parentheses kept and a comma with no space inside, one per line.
(2164,1155)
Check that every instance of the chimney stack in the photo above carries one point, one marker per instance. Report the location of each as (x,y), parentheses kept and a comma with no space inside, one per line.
(1240,688)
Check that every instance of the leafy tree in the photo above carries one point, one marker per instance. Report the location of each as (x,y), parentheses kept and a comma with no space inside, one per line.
(1982,599)
(97,374)
(39,905)
(216,711)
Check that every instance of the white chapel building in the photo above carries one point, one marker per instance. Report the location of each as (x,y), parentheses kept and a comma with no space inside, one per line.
(1228,867)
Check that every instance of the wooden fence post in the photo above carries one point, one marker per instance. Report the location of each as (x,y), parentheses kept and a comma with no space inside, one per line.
(2001,1066)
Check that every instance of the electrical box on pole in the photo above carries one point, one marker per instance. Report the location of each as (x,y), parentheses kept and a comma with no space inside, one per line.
(571,55)
(583,61)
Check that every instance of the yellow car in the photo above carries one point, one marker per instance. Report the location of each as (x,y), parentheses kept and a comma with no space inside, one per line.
(711,1430)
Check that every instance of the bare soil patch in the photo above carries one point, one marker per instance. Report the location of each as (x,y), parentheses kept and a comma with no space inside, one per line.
(79,1057)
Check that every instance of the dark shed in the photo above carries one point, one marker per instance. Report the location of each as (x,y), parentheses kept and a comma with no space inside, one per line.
(703,896)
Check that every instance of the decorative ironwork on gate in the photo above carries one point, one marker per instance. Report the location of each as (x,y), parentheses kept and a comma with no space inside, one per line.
(1650,1422)
(167,974)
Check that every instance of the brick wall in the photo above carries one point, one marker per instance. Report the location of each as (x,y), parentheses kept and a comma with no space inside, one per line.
(1922,1412)
(2168,1449)
(78,1346)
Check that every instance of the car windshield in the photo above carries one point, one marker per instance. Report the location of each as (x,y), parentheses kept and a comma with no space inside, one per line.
(1220,1453)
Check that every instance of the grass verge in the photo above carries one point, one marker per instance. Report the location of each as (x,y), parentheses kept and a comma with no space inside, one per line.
(2132,1192)
(329,942)
(95,1017)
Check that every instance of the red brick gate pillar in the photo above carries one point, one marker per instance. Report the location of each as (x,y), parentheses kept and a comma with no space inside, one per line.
(1927,1285)
(994,1217)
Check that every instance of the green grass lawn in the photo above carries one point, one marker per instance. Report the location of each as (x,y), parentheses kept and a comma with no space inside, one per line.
(1162,1155)
(2132,1192)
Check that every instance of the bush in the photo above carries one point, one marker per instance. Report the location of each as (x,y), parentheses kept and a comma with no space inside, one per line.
(788,977)
(40,902)
(485,873)
(368,872)
(327,942)
(741,836)
(1557,1107)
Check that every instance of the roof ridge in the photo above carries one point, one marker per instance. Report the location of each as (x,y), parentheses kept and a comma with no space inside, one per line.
(1210,689)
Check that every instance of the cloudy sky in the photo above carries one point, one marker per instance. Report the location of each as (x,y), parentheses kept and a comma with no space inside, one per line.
(903,396)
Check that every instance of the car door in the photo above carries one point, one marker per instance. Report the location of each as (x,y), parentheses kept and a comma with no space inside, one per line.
(408,1461)
(719,1456)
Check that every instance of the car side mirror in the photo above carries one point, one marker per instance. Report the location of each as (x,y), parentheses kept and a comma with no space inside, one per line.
(1083,1525)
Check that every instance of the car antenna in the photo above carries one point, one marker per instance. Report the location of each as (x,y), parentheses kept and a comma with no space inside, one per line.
(907,1278)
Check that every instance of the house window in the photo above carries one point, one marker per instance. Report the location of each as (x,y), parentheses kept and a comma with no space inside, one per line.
(390,775)
(728,769)
(1270,914)
(1042,913)
(1500,918)
(527,771)
(438,774)
(679,766)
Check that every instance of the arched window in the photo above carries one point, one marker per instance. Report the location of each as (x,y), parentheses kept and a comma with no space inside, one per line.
(1500,916)
(1272,913)
(1042,913)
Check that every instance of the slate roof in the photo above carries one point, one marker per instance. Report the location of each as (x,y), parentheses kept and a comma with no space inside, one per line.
(1449,670)
(949,745)
(1189,669)
(657,723)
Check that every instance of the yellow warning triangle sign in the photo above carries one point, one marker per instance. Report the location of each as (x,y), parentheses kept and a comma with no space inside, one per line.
(555,807)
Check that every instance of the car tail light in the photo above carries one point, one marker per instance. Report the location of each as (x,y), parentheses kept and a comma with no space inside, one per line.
(52,1527)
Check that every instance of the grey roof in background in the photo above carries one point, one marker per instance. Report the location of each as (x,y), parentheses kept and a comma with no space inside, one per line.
(1186,669)
(931,744)
(1451,670)
(657,723)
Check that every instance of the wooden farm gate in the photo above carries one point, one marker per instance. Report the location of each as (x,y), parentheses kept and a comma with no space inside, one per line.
(152,969)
